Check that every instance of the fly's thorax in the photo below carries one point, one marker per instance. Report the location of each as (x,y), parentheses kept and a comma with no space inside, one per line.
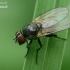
(31,31)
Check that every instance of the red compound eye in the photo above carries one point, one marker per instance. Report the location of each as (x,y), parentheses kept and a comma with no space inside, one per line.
(21,40)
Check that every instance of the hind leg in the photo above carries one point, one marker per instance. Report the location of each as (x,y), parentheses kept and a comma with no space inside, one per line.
(54,35)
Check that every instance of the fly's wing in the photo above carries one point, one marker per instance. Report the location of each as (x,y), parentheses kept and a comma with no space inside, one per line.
(52,17)
(64,24)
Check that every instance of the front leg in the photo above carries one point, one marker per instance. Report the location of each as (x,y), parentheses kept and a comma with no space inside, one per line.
(28,46)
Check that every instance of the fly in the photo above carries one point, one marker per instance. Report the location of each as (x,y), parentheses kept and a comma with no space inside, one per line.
(46,25)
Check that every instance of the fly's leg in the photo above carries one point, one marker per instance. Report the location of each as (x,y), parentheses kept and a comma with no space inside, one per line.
(28,46)
(38,50)
(54,35)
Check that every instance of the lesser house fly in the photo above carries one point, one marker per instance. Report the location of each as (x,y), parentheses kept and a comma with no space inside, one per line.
(44,25)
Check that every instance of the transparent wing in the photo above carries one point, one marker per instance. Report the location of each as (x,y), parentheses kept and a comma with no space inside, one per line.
(64,24)
(52,17)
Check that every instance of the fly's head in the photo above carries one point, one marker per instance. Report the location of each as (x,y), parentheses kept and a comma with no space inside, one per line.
(19,38)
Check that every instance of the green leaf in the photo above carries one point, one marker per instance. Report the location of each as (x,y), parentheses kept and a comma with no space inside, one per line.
(51,55)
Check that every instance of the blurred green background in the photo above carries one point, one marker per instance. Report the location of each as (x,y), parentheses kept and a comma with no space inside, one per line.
(13,18)
(18,14)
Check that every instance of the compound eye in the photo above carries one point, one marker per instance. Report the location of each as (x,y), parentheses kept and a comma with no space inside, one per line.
(21,40)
